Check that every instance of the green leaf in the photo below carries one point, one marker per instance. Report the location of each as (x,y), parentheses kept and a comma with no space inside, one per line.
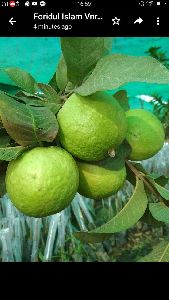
(160,253)
(153,176)
(61,74)
(36,100)
(30,99)
(8,88)
(159,211)
(113,71)
(81,55)
(22,79)
(49,92)
(53,107)
(52,99)
(161,190)
(162,180)
(108,45)
(121,97)
(53,83)
(126,218)
(158,179)
(10,153)
(4,138)
(27,125)
(148,219)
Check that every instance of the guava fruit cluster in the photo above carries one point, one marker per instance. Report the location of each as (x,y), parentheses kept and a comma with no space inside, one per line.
(44,180)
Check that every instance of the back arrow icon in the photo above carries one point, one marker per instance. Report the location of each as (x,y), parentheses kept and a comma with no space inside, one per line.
(139,20)
(12,21)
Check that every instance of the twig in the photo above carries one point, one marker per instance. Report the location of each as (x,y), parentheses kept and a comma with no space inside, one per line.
(142,177)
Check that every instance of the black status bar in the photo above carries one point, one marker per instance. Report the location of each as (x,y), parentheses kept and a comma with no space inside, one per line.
(75,4)
(84,18)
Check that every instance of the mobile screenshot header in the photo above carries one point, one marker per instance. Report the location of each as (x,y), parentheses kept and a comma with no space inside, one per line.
(84,18)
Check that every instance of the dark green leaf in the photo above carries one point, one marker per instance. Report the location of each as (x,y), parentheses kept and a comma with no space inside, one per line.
(153,176)
(126,218)
(49,92)
(61,74)
(4,138)
(139,167)
(27,125)
(131,177)
(121,97)
(160,180)
(10,153)
(108,163)
(8,88)
(81,55)
(3,167)
(124,149)
(52,99)
(159,211)
(22,79)
(113,71)
(26,94)
(53,83)
(53,107)
(160,253)
(148,219)
(162,191)
(36,100)
(30,99)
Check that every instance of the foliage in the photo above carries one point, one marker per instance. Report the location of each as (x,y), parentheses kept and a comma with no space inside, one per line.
(161,110)
(160,106)
(160,253)
(126,218)
(113,71)
(161,56)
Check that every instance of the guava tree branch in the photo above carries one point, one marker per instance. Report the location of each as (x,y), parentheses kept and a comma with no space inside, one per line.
(142,177)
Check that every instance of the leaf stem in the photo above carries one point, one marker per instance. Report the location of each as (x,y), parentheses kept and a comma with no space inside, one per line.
(141,177)
(64,97)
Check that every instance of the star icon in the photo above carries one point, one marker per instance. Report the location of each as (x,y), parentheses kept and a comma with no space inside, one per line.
(116,21)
